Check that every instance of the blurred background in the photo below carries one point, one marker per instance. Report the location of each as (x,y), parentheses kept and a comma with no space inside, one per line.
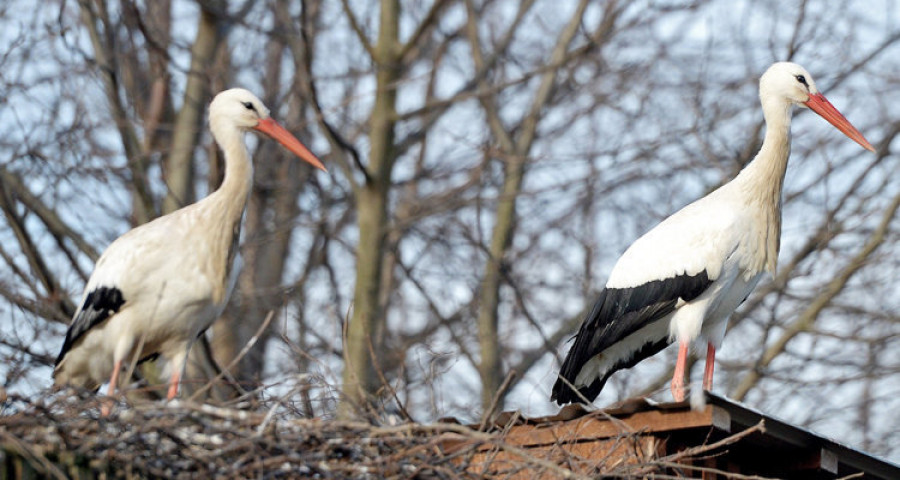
(489,160)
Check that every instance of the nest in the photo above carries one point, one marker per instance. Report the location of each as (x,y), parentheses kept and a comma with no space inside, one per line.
(67,436)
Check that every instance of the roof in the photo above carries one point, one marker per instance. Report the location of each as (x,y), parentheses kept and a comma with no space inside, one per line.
(719,438)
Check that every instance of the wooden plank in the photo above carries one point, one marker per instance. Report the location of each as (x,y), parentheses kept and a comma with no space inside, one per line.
(828,461)
(596,426)
(583,458)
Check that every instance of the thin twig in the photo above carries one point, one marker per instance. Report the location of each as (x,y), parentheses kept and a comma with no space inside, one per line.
(495,400)
(250,343)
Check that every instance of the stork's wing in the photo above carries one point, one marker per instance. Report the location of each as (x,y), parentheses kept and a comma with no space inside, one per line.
(99,304)
(617,314)
(127,261)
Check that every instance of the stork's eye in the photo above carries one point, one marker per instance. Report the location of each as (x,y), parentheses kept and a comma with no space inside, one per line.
(249,106)
(801,79)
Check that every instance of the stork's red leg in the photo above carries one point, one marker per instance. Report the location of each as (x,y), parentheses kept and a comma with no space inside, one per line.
(678,378)
(114,379)
(173,385)
(113,382)
(710,365)
(178,374)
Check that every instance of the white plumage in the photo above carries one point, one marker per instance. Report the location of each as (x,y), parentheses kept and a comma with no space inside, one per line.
(683,279)
(159,286)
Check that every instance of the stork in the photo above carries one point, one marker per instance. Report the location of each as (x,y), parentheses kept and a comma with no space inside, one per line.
(158,287)
(682,280)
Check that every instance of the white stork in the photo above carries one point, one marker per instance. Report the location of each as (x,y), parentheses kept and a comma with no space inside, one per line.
(159,286)
(683,279)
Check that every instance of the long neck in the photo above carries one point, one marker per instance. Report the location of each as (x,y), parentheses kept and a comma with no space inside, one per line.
(761,181)
(223,210)
(762,178)
(231,197)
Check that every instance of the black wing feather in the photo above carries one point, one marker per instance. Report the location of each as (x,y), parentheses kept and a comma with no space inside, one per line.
(99,305)
(618,313)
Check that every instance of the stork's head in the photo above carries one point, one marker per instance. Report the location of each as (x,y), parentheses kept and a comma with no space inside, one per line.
(790,83)
(238,109)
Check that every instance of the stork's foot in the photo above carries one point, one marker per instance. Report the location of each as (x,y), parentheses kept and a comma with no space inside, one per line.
(106,405)
(173,391)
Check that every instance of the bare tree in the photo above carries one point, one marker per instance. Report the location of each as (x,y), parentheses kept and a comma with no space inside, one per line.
(488,162)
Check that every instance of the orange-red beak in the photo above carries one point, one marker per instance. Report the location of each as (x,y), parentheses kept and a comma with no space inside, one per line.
(281,135)
(819,104)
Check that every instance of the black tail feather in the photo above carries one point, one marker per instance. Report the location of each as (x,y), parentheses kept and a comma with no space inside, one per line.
(617,314)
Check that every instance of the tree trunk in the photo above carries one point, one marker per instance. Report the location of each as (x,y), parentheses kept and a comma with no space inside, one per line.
(516,144)
(362,347)
(491,367)
(179,166)
(93,16)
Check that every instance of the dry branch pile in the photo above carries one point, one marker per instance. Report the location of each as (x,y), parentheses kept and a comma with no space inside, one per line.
(62,436)
(180,440)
